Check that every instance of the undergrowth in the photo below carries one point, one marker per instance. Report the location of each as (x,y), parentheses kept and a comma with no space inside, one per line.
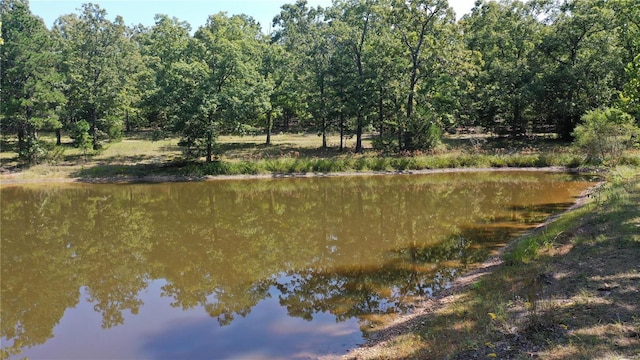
(364,163)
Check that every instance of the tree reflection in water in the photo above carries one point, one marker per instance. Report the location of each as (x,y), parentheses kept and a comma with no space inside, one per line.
(350,247)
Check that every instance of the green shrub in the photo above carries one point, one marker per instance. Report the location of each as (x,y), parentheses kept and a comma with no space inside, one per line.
(272,165)
(244,167)
(329,165)
(32,150)
(55,154)
(361,164)
(605,134)
(386,144)
(404,163)
(381,164)
(300,167)
(79,132)
(422,135)
(215,168)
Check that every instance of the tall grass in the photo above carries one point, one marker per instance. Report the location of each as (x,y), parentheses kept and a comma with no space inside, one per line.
(606,199)
(137,155)
(528,247)
(369,163)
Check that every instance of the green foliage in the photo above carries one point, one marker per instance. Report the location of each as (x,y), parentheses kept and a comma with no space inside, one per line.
(431,48)
(32,150)
(29,83)
(404,69)
(377,163)
(506,35)
(386,144)
(100,66)
(422,135)
(582,62)
(216,168)
(114,129)
(191,148)
(55,153)
(79,132)
(630,96)
(207,84)
(604,134)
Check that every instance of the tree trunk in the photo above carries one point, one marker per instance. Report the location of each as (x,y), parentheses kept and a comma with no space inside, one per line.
(341,131)
(410,100)
(24,134)
(358,55)
(126,121)
(323,102)
(210,138)
(568,123)
(381,113)
(269,126)
(21,143)
(287,121)
(324,132)
(209,148)
(94,130)
(516,126)
(359,133)
(58,137)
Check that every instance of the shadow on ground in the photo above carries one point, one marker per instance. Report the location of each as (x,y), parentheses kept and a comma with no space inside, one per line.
(262,151)
(580,299)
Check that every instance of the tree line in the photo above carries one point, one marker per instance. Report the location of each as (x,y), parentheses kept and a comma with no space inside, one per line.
(404,70)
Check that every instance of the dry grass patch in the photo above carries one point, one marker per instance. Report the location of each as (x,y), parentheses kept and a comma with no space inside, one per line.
(134,154)
(137,155)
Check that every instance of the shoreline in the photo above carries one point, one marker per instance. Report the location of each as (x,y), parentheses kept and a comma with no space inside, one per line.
(403,324)
(15,179)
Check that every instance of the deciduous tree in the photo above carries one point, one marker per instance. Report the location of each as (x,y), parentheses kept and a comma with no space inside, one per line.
(30,82)
(580,43)
(97,58)
(225,88)
(506,35)
(421,27)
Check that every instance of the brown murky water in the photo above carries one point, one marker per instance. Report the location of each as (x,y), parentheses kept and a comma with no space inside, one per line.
(282,268)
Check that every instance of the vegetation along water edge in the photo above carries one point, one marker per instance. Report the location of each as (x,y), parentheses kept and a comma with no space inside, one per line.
(137,158)
(567,290)
(367,87)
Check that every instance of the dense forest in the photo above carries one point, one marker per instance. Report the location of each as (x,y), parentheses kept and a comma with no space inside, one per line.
(403,70)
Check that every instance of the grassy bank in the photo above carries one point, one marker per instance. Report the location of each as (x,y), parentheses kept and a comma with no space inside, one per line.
(570,290)
(137,156)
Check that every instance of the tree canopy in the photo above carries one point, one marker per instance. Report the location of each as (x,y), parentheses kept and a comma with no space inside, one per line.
(401,70)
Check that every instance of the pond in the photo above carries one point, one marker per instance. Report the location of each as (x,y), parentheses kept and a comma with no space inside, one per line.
(269,268)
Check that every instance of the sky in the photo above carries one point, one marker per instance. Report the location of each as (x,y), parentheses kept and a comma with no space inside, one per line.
(195,12)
